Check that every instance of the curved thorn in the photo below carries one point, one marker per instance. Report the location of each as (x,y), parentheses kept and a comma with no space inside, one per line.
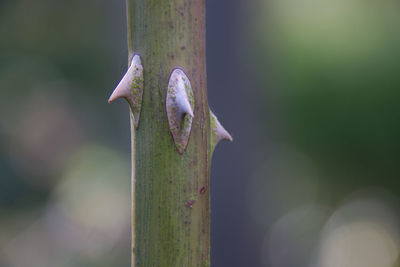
(131,87)
(218,132)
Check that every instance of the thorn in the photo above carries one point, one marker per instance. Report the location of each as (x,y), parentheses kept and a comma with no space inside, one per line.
(180,103)
(218,131)
(131,88)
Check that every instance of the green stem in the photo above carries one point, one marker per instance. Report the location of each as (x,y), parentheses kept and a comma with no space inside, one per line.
(170,196)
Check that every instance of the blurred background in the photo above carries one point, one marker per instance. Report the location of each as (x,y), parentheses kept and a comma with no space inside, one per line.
(309,90)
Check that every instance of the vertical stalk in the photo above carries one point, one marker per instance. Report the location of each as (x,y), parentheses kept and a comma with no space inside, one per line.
(170,153)
(170,196)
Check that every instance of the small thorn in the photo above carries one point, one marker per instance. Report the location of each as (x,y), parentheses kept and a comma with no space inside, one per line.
(218,131)
(131,87)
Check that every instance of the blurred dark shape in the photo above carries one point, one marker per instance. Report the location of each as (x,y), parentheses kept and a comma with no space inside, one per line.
(46,133)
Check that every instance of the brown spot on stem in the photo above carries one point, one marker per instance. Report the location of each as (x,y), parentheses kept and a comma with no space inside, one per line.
(203,190)
(189,204)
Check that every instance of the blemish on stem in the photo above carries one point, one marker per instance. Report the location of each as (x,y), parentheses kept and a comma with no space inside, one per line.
(203,189)
(189,204)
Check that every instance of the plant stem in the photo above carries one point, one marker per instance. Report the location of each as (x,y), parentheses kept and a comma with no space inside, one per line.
(170,196)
